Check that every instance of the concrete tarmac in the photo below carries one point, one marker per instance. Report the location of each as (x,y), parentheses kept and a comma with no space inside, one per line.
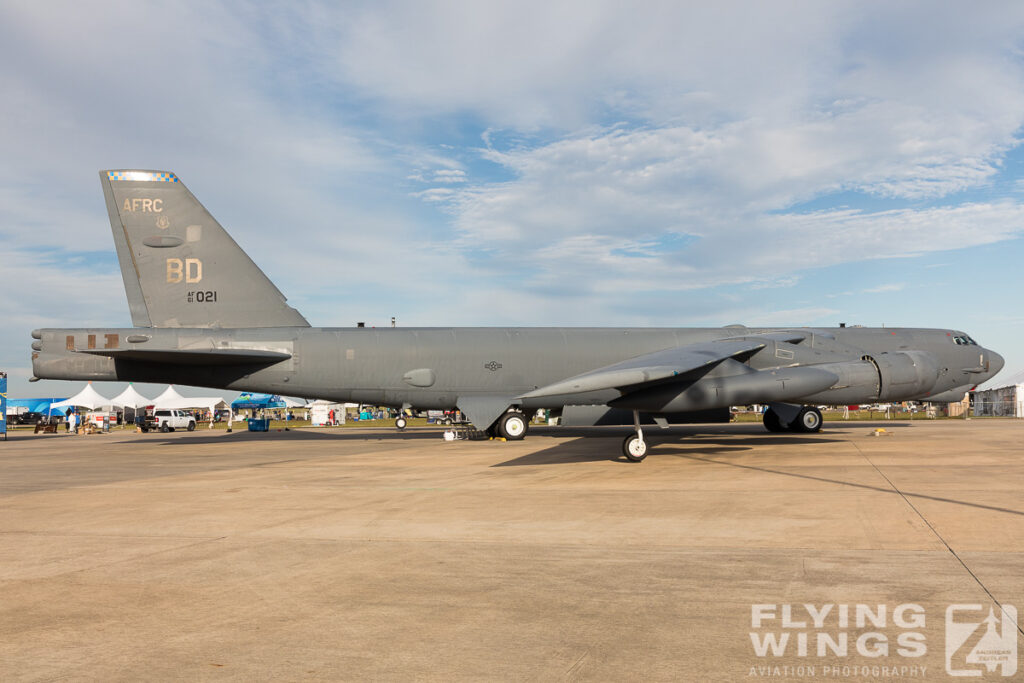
(373,554)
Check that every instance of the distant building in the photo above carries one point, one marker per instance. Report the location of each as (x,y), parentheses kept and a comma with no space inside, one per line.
(952,409)
(1005,401)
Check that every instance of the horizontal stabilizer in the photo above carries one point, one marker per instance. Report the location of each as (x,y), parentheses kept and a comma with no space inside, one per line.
(194,356)
(650,367)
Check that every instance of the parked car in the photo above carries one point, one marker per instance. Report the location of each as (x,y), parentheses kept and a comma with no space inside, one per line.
(169,420)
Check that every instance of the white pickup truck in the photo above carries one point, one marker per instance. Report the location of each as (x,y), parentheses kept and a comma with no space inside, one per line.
(169,420)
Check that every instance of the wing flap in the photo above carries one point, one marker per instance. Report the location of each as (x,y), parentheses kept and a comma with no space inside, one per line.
(651,367)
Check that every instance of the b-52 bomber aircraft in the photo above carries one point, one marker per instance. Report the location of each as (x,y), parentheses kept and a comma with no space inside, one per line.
(205,315)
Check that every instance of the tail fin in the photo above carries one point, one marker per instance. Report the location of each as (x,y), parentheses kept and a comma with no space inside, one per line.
(180,267)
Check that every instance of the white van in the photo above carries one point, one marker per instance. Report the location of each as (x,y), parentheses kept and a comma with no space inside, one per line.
(169,420)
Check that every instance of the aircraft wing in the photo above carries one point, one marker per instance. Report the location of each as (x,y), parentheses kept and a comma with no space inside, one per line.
(651,367)
(194,356)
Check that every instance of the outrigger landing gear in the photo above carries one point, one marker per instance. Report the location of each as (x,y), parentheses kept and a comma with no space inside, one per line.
(400,423)
(634,447)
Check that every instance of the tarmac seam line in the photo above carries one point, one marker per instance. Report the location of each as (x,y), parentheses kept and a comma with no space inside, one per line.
(938,536)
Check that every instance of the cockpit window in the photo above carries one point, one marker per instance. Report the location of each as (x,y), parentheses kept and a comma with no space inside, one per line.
(964,340)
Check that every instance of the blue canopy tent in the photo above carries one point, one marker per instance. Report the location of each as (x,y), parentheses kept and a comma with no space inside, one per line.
(32,405)
(250,401)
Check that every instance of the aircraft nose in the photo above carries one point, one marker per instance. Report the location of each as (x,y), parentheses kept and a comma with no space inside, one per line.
(995,362)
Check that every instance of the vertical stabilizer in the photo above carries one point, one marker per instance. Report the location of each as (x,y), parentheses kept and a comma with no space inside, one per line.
(180,267)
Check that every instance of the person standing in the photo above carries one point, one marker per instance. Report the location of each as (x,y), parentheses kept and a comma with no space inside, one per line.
(231,418)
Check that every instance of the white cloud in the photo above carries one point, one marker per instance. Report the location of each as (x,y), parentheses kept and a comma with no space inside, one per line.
(598,209)
(882,289)
(450,176)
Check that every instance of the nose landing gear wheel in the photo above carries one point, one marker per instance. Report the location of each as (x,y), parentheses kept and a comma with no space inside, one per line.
(634,448)
(400,423)
(512,426)
(808,421)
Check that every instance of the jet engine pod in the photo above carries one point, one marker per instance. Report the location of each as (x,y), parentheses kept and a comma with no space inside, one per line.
(779,384)
(905,374)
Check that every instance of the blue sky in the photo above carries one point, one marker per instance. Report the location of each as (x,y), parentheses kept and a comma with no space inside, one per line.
(532,163)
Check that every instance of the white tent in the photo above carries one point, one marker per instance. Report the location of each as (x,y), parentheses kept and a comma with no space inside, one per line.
(210,403)
(293,402)
(130,398)
(172,400)
(86,398)
(169,394)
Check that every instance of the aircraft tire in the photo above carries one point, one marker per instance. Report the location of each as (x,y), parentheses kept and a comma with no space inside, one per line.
(512,426)
(772,422)
(808,421)
(634,448)
(400,423)
(191,426)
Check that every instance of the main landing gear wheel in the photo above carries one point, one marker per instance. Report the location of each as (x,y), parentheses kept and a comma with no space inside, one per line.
(634,448)
(772,422)
(400,423)
(808,421)
(512,426)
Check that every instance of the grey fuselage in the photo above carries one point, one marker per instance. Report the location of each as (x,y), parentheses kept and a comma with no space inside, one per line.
(440,367)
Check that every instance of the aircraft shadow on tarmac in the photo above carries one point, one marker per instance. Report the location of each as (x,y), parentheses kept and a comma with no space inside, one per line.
(753,435)
(592,444)
(583,450)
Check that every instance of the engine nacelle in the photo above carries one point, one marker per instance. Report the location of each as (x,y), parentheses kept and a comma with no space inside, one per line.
(885,377)
(905,374)
(776,384)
